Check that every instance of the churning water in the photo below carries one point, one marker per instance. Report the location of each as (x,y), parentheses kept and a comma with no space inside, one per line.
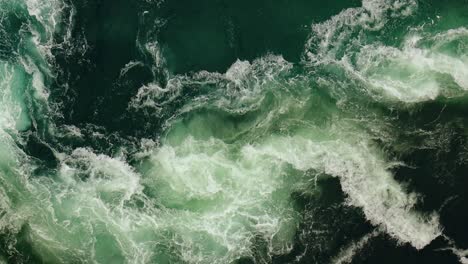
(213,131)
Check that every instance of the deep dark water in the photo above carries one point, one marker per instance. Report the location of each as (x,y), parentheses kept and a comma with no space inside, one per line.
(217,131)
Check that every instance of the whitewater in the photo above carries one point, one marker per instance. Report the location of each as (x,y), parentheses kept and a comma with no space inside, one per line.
(268,161)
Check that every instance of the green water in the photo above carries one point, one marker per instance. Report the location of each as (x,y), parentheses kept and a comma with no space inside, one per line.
(212,131)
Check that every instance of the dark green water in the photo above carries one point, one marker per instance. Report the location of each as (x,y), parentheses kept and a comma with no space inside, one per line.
(213,131)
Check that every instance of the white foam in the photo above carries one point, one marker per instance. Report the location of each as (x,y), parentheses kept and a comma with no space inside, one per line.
(239,90)
(49,14)
(13,111)
(411,73)
(13,117)
(88,195)
(155,52)
(347,254)
(333,34)
(229,200)
(238,71)
(211,199)
(462,254)
(107,175)
(364,178)
(129,66)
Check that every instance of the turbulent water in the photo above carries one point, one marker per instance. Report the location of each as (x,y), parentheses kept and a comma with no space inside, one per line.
(213,131)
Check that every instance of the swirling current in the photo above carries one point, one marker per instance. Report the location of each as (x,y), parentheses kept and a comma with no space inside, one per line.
(214,131)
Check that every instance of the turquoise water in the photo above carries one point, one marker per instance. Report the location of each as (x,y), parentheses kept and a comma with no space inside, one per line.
(149,131)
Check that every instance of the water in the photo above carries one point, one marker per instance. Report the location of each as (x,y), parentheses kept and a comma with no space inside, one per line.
(151,131)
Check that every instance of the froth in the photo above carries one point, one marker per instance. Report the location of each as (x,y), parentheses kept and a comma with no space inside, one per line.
(231,198)
(416,71)
(364,177)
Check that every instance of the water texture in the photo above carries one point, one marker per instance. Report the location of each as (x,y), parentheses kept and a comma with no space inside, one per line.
(213,131)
